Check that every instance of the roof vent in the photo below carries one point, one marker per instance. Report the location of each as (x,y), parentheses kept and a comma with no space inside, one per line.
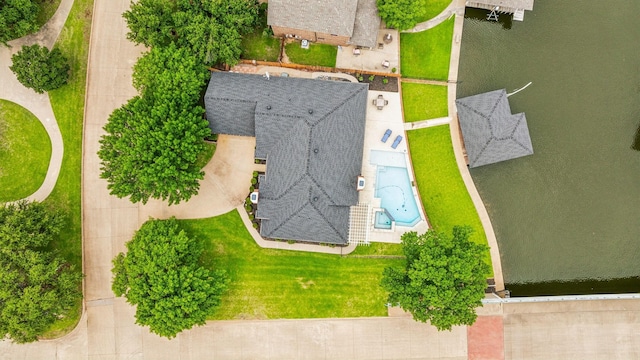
(268,107)
(315,151)
(315,198)
(310,111)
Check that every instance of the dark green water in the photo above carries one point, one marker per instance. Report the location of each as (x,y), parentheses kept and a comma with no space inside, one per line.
(571,211)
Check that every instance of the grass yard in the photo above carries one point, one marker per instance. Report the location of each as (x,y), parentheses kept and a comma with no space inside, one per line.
(68,106)
(273,284)
(317,54)
(443,193)
(426,55)
(204,158)
(434,8)
(47,9)
(424,101)
(25,151)
(259,46)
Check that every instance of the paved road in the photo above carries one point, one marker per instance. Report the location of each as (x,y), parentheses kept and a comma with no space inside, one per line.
(38,104)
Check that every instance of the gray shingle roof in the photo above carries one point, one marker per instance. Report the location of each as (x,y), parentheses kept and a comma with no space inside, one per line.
(367,23)
(491,134)
(325,16)
(312,134)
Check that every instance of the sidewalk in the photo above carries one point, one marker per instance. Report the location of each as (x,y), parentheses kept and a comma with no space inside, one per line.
(38,104)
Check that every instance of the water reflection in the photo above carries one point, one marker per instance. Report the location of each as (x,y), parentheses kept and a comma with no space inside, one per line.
(636,140)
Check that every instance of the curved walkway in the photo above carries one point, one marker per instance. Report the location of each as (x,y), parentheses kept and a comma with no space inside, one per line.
(453,9)
(38,104)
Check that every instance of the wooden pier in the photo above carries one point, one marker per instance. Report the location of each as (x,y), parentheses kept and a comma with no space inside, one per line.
(514,7)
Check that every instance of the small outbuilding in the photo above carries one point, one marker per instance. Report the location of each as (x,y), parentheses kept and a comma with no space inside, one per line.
(491,133)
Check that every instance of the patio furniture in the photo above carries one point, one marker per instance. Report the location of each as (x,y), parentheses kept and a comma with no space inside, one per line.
(380,102)
(385,64)
(386,135)
(387,38)
(356,51)
(380,45)
(396,142)
(386,102)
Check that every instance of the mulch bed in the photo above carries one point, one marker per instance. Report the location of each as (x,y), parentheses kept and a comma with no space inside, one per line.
(378,83)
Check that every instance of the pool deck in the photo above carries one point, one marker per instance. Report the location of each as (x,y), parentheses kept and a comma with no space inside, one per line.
(378,121)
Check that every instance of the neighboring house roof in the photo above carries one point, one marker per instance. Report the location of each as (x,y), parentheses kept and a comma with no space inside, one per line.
(356,19)
(491,134)
(325,16)
(367,23)
(312,134)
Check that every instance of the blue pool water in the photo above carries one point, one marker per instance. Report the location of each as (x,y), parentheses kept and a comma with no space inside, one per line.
(393,187)
(383,221)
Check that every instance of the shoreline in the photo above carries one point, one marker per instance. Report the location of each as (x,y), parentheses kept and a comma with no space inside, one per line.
(457,148)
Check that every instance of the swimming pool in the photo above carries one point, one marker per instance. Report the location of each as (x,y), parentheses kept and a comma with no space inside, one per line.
(394,189)
(383,220)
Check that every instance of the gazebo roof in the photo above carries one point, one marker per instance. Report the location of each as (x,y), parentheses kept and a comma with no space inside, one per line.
(491,133)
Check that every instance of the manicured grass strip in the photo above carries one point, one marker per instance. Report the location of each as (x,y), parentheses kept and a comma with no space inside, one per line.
(316,54)
(443,193)
(434,8)
(68,106)
(271,284)
(25,151)
(424,101)
(425,55)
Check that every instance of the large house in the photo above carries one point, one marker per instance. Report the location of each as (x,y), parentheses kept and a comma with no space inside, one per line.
(311,134)
(336,22)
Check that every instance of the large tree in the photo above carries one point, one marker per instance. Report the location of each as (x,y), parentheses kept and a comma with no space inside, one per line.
(153,141)
(401,14)
(40,69)
(443,280)
(17,18)
(210,29)
(161,275)
(36,287)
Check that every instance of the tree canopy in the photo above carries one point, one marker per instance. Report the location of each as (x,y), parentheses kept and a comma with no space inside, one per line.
(40,69)
(153,141)
(210,29)
(36,286)
(160,274)
(401,14)
(17,19)
(444,278)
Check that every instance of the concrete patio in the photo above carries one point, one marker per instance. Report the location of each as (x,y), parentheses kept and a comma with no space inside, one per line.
(372,59)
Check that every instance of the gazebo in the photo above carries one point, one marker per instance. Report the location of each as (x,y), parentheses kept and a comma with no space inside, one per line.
(491,133)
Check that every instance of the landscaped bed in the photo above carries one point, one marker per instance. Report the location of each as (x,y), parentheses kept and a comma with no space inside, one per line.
(271,284)
(442,190)
(426,54)
(423,101)
(316,54)
(25,151)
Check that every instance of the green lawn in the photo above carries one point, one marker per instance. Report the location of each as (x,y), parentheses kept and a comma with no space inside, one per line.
(257,46)
(443,193)
(68,106)
(317,54)
(25,151)
(425,55)
(47,9)
(423,101)
(204,158)
(272,284)
(434,8)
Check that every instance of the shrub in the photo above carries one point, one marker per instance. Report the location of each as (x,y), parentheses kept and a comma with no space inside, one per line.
(40,69)
(385,81)
(372,77)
